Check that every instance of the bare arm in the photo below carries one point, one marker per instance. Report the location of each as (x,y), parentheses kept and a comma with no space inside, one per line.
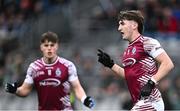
(166,65)
(79,91)
(24,89)
(118,70)
(81,95)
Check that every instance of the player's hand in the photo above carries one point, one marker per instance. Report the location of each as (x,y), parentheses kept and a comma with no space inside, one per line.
(147,89)
(105,59)
(11,88)
(89,102)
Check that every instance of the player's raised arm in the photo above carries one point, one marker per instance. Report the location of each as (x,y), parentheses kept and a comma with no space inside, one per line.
(106,60)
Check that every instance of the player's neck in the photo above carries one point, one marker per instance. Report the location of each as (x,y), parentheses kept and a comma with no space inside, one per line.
(49,60)
(135,36)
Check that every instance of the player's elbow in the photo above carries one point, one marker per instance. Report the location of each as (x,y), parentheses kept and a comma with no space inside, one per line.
(22,95)
(22,92)
(170,65)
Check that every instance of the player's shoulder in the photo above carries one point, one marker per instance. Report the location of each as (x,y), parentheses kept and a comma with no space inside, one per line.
(149,40)
(36,62)
(65,61)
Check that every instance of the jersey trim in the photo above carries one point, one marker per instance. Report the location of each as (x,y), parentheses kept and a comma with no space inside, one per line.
(50,64)
(158,52)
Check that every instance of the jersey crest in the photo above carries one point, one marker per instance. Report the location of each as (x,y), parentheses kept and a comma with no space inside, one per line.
(58,72)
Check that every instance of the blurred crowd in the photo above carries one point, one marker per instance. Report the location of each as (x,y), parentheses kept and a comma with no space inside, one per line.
(87,21)
(14,18)
(161,16)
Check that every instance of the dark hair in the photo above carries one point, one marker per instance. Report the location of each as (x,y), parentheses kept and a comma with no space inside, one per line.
(134,15)
(49,36)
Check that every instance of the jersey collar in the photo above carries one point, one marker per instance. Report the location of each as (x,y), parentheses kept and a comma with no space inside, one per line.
(130,43)
(51,63)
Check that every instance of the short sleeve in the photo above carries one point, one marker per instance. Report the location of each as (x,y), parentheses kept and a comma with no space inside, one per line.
(29,74)
(153,47)
(72,72)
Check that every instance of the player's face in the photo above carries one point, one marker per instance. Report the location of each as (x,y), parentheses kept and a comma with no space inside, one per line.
(49,49)
(126,29)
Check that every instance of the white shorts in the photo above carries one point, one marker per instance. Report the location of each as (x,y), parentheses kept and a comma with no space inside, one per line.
(146,105)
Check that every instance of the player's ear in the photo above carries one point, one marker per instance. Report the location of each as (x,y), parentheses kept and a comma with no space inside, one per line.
(134,25)
(41,47)
(57,46)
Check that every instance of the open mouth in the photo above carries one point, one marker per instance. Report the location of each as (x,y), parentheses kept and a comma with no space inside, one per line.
(49,53)
(122,33)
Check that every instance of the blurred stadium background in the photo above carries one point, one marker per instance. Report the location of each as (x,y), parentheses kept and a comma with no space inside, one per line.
(84,26)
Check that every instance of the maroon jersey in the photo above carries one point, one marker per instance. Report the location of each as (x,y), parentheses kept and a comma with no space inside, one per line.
(52,82)
(139,65)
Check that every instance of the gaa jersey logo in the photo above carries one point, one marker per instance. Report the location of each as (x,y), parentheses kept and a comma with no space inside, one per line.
(134,50)
(128,62)
(50,82)
(58,72)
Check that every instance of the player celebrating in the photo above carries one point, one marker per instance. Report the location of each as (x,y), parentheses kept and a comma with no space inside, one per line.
(140,63)
(52,76)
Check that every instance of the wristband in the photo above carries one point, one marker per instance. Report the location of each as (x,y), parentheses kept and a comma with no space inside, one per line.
(83,98)
(152,79)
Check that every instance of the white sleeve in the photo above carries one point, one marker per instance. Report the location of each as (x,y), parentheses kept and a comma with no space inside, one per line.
(72,72)
(153,47)
(29,74)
